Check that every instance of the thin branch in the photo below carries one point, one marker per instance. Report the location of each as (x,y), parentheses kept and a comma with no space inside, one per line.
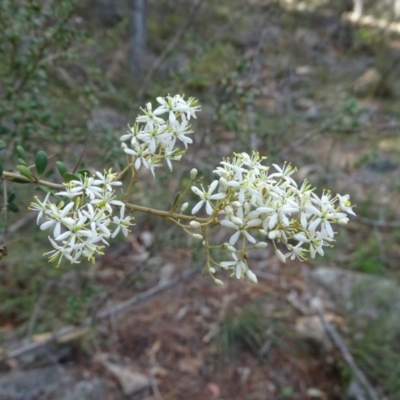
(12,176)
(17,225)
(378,223)
(36,310)
(181,32)
(5,206)
(341,346)
(111,311)
(165,214)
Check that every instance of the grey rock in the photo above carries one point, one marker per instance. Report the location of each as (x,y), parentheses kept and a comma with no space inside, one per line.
(49,383)
(132,383)
(92,389)
(364,296)
(106,118)
(356,392)
(368,82)
(29,384)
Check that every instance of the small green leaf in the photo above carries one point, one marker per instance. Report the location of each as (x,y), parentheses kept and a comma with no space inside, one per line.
(11,197)
(84,172)
(70,177)
(62,169)
(43,188)
(2,145)
(21,161)
(41,162)
(13,207)
(21,152)
(26,172)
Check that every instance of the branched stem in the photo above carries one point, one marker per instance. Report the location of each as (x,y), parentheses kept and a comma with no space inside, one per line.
(166,214)
(12,176)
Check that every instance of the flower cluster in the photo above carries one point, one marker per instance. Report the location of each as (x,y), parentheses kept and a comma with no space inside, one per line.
(82,221)
(251,200)
(153,138)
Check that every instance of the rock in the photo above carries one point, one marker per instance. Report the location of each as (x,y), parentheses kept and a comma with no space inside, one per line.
(131,382)
(365,297)
(356,392)
(49,383)
(311,328)
(312,113)
(308,37)
(29,384)
(92,389)
(106,118)
(368,82)
(108,13)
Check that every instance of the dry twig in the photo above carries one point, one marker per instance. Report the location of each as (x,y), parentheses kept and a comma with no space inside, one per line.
(111,311)
(158,62)
(341,346)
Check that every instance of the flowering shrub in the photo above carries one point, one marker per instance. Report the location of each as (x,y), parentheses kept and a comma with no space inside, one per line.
(252,202)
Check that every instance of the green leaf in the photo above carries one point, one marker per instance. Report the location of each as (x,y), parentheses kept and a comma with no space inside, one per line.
(43,188)
(11,197)
(84,172)
(26,172)
(2,144)
(13,207)
(21,161)
(70,177)
(21,152)
(41,162)
(62,169)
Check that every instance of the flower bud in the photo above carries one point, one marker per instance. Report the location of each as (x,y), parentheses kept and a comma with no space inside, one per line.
(194,224)
(123,146)
(211,270)
(251,276)
(272,235)
(236,220)
(343,221)
(261,245)
(184,207)
(218,282)
(222,184)
(197,236)
(228,210)
(280,256)
(231,249)
(236,204)
(193,173)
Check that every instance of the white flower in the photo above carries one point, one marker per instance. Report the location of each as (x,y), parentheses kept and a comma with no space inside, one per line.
(106,181)
(238,265)
(296,252)
(206,196)
(57,218)
(284,173)
(122,223)
(106,201)
(344,204)
(40,206)
(182,129)
(150,118)
(141,154)
(241,223)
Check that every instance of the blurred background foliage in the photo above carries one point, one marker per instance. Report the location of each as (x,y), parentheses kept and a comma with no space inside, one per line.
(293,80)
